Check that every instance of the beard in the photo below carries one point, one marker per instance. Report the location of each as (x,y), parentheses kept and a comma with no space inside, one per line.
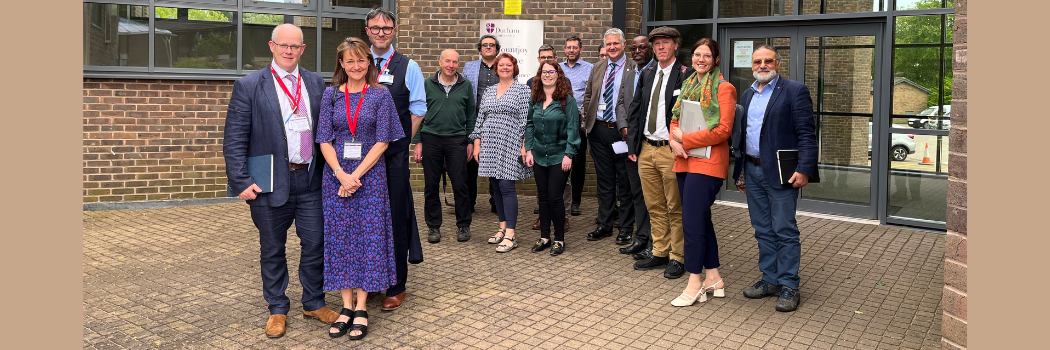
(766,77)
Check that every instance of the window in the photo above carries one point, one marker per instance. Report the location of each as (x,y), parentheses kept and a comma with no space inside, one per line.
(922,76)
(331,37)
(255,38)
(116,35)
(192,38)
(670,10)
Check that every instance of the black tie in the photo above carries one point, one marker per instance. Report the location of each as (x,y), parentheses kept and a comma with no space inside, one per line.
(378,61)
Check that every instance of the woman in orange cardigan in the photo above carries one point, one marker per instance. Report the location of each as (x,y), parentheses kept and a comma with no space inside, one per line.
(699,180)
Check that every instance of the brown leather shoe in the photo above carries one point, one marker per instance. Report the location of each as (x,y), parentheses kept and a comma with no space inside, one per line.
(536,225)
(394,302)
(566,224)
(275,326)
(324,314)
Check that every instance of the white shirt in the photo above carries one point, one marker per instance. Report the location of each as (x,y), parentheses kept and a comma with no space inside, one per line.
(661,107)
(294,139)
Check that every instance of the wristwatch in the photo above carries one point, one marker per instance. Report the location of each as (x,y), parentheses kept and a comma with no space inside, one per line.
(335,172)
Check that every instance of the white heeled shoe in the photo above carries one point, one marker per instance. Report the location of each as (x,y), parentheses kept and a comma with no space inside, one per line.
(687,300)
(717,293)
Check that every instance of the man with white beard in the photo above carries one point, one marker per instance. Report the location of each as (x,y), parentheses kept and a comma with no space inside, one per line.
(779,117)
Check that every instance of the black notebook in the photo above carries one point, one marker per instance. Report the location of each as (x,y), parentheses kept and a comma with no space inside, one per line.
(787,162)
(260,168)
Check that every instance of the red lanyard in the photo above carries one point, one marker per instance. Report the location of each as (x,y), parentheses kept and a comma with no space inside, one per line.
(385,64)
(352,123)
(298,90)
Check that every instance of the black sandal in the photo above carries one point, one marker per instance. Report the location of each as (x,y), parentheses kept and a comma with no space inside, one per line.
(342,326)
(359,327)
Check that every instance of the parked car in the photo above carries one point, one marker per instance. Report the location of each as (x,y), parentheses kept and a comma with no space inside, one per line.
(930,117)
(901,145)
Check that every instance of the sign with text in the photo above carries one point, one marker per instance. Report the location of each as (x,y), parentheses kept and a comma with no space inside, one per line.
(520,38)
(742,54)
(512,7)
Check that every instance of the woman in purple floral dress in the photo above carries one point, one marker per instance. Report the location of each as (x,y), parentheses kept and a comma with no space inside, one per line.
(357,122)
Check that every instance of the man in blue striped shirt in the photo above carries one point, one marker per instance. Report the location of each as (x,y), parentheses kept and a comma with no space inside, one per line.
(577,70)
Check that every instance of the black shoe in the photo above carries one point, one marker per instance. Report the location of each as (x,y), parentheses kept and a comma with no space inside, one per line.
(641,255)
(674,270)
(342,326)
(463,234)
(636,246)
(761,289)
(574,209)
(492,208)
(651,262)
(598,234)
(536,211)
(787,300)
(557,248)
(624,237)
(540,245)
(434,235)
(359,327)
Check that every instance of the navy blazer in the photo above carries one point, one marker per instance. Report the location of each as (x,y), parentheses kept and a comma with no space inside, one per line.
(255,127)
(788,124)
(640,106)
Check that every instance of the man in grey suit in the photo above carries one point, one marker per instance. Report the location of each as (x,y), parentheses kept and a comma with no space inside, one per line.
(605,124)
(642,53)
(274,112)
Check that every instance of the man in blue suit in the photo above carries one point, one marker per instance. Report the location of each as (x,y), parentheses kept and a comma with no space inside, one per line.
(274,112)
(779,117)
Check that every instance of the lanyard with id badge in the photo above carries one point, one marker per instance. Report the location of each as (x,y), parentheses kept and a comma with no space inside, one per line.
(385,77)
(608,80)
(295,122)
(352,149)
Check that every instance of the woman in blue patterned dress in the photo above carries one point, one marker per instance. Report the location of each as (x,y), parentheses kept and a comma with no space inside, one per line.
(498,136)
(357,122)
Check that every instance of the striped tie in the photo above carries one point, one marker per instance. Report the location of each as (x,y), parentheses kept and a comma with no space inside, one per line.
(607,95)
(306,142)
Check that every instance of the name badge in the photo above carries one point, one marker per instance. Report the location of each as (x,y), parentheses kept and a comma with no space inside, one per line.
(677,92)
(601,106)
(386,79)
(352,150)
(299,123)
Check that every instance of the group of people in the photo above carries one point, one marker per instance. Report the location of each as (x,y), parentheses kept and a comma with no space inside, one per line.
(340,160)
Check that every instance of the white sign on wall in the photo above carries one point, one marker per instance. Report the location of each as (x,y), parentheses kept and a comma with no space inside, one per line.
(742,54)
(520,38)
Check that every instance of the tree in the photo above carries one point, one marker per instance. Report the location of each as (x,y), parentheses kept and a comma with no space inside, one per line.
(919,51)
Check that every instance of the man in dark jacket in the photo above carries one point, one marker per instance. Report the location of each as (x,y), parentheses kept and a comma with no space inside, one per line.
(451,113)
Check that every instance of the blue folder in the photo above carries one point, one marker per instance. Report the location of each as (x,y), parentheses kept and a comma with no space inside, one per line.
(260,168)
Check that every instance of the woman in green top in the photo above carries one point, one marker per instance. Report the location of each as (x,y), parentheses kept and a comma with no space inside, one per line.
(552,136)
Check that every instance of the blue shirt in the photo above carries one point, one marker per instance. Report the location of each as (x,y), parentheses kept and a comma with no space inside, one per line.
(578,79)
(611,109)
(417,95)
(756,114)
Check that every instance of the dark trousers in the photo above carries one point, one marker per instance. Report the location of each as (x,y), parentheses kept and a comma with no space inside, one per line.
(579,170)
(304,208)
(402,215)
(698,193)
(773,217)
(472,185)
(445,154)
(612,178)
(506,201)
(643,228)
(550,187)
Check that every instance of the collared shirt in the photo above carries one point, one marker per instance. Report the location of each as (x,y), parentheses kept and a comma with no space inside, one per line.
(578,79)
(486,78)
(417,95)
(286,111)
(661,107)
(638,73)
(756,115)
(616,89)
(448,88)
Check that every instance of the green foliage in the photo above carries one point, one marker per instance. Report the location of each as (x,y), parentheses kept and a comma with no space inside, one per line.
(198,62)
(262,18)
(213,45)
(193,15)
(922,64)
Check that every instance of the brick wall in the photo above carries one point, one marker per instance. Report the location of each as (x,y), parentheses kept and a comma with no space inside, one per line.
(151,139)
(954,320)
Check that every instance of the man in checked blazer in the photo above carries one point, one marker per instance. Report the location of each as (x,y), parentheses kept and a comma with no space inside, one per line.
(604,126)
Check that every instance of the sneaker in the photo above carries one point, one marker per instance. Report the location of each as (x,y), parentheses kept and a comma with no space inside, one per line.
(434,235)
(761,289)
(463,234)
(574,209)
(788,300)
(674,269)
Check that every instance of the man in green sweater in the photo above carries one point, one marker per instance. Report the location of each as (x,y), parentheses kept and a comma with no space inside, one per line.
(451,112)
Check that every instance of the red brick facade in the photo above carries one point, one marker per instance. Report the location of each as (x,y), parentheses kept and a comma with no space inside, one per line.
(954,320)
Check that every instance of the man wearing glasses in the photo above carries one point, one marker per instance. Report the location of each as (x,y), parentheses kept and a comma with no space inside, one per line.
(253,128)
(547,55)
(482,75)
(577,70)
(642,53)
(404,79)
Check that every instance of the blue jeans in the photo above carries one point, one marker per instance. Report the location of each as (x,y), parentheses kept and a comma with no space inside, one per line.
(772,212)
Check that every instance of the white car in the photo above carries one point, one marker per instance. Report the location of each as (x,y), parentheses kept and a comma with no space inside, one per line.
(901,145)
(930,117)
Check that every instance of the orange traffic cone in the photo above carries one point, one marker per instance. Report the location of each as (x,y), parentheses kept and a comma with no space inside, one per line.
(926,156)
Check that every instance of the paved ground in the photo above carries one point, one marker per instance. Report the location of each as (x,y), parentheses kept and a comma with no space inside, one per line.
(188,277)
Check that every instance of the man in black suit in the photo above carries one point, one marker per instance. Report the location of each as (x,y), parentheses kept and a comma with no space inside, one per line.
(274,112)
(779,117)
(649,145)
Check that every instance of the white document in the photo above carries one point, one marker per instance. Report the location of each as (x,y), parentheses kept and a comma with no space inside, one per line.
(619,147)
(742,54)
(690,120)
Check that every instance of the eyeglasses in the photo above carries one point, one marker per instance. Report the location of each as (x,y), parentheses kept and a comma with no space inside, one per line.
(639,48)
(488,45)
(549,72)
(375,30)
(702,55)
(284,47)
(768,61)
(547,58)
